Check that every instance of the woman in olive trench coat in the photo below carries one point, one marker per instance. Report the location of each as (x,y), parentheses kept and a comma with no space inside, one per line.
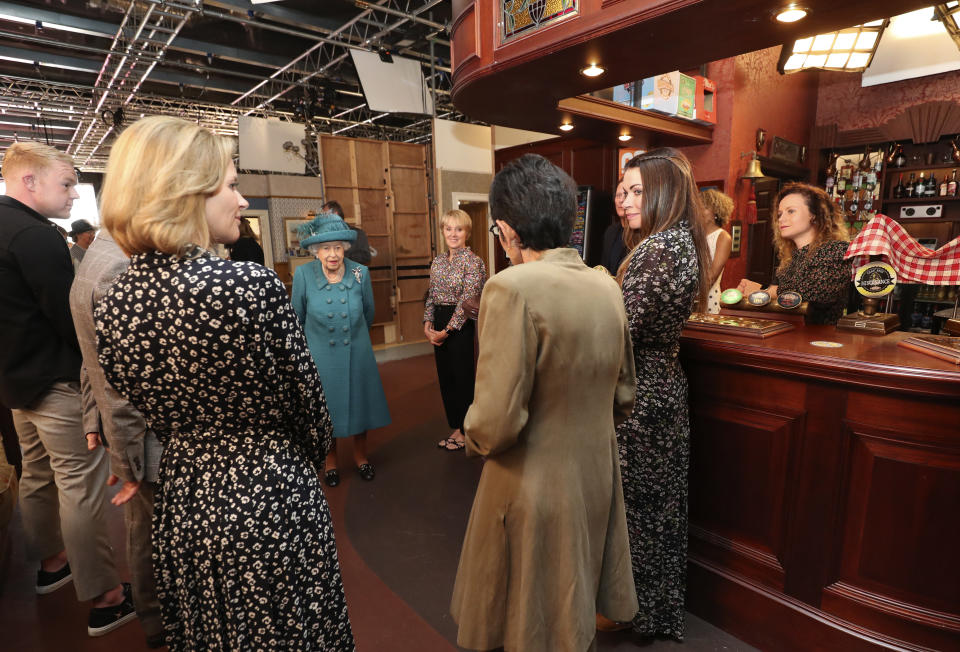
(546,547)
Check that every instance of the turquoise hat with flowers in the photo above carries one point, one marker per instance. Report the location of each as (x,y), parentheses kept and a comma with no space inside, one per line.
(325,228)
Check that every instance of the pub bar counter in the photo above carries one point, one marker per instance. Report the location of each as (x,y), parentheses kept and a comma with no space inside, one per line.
(824,491)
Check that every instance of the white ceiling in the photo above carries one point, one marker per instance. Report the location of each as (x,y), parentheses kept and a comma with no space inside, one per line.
(913,45)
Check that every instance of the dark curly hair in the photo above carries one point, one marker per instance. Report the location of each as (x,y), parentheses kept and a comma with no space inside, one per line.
(826,218)
(537,199)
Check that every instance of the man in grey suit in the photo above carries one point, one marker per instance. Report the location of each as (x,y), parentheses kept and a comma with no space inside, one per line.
(134,449)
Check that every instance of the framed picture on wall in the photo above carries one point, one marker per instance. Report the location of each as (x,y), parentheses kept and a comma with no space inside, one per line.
(290,227)
(784,150)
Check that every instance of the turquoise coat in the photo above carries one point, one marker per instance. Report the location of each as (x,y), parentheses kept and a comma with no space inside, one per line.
(336,318)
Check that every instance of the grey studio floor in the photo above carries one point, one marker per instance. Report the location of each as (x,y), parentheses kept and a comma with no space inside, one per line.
(398,539)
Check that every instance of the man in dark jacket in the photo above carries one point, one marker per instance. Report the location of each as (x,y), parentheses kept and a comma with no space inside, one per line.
(62,493)
(360,251)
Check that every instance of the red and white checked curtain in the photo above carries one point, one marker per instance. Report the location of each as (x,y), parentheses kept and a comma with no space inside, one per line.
(914,263)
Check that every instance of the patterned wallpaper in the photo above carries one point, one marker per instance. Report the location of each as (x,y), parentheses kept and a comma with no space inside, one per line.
(842,101)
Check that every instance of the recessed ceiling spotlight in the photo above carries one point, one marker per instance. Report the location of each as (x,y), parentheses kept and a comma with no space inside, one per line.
(624,137)
(791,13)
(566,126)
(593,70)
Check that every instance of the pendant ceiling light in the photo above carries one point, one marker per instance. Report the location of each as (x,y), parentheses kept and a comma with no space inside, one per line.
(849,50)
(949,15)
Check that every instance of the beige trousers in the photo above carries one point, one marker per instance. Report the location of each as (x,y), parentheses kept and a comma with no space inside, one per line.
(63,490)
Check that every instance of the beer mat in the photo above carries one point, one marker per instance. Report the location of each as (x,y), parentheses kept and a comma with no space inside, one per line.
(747,326)
(939,346)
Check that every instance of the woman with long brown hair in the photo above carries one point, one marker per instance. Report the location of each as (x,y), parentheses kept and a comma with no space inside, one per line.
(811,239)
(662,279)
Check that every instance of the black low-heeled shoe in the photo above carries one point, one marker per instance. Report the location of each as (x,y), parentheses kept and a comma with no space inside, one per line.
(331,478)
(366,471)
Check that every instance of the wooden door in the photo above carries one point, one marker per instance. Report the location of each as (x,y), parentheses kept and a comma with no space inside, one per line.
(407,177)
(761,257)
(479,239)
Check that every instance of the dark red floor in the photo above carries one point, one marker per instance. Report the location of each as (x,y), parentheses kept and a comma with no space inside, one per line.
(398,537)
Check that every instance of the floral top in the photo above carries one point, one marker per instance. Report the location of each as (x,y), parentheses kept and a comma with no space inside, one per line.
(822,277)
(452,281)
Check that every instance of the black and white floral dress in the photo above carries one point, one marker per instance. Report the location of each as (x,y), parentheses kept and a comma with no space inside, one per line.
(659,288)
(211,352)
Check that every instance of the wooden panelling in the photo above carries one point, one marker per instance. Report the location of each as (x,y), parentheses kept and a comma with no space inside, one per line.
(373,209)
(335,153)
(896,489)
(413,237)
(414,289)
(741,517)
(467,46)
(371,164)
(345,197)
(404,154)
(824,488)
(590,163)
(411,220)
(384,257)
(410,319)
(382,300)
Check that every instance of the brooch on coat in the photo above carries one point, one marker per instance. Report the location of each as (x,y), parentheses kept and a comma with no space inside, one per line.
(357,274)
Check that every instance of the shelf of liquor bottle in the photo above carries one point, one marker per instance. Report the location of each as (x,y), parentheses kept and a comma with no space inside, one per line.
(920,200)
(922,168)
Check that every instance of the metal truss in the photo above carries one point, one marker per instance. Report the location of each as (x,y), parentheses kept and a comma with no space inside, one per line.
(366,30)
(143,36)
(39,102)
(148,29)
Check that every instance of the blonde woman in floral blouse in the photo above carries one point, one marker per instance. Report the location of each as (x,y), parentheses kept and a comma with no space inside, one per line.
(456,275)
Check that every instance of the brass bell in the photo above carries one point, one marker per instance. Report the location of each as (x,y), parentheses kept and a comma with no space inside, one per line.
(753,168)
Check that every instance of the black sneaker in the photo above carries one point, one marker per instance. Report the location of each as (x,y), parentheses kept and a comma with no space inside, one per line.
(50,582)
(106,619)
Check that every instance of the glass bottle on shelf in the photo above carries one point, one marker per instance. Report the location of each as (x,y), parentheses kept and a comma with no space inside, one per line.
(899,190)
(952,185)
(920,189)
(911,186)
(927,321)
(831,182)
(943,187)
(841,184)
(931,187)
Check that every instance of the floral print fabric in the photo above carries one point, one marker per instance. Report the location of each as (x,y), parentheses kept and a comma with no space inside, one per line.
(659,289)
(212,354)
(452,281)
(822,278)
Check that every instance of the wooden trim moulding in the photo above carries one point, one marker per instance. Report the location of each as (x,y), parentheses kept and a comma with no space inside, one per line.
(594,107)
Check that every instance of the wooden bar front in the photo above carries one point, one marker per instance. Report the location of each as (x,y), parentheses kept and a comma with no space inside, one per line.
(824,491)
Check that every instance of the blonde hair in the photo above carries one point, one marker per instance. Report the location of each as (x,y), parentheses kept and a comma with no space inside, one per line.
(31,155)
(457,217)
(719,204)
(160,173)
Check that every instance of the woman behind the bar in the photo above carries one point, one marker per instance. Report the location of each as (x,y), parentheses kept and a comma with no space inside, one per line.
(717,210)
(546,546)
(456,275)
(210,351)
(333,299)
(662,279)
(811,238)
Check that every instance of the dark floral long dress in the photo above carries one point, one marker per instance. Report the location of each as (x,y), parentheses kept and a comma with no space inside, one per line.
(212,354)
(659,288)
